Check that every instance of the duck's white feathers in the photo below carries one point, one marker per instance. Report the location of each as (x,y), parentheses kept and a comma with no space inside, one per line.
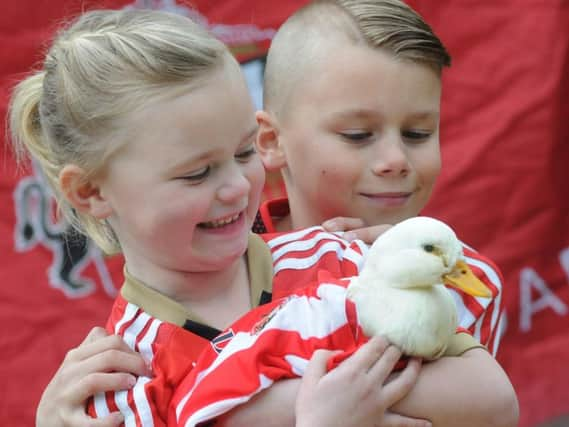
(420,321)
(399,294)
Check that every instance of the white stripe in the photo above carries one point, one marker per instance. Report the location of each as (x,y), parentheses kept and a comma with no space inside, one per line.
(131,333)
(478,327)
(307,262)
(221,406)
(141,401)
(495,316)
(127,316)
(121,400)
(297,363)
(468,247)
(101,407)
(100,401)
(293,236)
(140,398)
(465,317)
(356,257)
(498,334)
(305,245)
(145,344)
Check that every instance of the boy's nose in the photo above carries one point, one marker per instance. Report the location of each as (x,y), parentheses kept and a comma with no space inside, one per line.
(390,158)
(236,186)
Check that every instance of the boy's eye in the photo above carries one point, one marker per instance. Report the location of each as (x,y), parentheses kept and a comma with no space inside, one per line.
(198,175)
(246,154)
(416,135)
(356,136)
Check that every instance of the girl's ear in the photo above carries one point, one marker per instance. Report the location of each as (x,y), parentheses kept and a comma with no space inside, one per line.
(269,142)
(82,193)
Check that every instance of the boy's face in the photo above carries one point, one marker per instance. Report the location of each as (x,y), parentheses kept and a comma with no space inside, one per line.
(185,189)
(360,138)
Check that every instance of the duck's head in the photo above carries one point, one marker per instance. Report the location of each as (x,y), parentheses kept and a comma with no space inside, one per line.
(421,252)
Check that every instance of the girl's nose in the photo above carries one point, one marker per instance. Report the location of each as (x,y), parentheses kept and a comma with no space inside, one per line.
(235,187)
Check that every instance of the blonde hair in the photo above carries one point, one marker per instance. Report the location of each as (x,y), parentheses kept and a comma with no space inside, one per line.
(103,66)
(389,26)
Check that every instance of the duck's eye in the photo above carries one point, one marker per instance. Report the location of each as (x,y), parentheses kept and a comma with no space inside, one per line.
(429,248)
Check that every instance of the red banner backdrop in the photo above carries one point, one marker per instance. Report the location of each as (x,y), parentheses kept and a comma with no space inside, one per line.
(505,149)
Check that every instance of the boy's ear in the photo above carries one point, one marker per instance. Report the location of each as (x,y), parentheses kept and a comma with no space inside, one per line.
(82,193)
(268,144)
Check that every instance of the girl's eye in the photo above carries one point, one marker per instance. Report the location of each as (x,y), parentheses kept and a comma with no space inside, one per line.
(356,136)
(246,154)
(416,135)
(198,175)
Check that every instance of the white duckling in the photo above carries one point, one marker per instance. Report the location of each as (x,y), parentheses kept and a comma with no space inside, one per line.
(399,293)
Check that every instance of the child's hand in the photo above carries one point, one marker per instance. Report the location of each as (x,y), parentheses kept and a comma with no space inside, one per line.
(86,370)
(355,228)
(354,393)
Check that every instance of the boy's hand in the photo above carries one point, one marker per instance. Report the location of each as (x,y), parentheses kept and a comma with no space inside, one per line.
(355,228)
(100,363)
(356,393)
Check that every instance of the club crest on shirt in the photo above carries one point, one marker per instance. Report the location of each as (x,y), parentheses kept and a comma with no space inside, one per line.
(221,341)
(260,325)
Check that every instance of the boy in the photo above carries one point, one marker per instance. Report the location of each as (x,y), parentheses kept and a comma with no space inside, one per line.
(353,124)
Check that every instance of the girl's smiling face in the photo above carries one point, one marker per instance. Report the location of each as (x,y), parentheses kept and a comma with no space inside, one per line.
(185,188)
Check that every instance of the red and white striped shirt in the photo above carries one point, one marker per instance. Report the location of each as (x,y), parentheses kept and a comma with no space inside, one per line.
(274,342)
(298,256)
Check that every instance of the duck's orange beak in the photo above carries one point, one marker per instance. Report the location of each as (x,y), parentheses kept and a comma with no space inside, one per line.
(463,278)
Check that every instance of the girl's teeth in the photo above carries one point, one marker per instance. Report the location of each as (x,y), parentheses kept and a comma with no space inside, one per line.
(221,222)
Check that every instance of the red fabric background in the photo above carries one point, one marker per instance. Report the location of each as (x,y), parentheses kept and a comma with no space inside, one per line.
(504,186)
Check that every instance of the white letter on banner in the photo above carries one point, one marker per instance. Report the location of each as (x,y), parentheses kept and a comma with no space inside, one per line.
(530,279)
(564,261)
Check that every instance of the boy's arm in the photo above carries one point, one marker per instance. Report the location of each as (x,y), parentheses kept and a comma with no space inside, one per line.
(471,390)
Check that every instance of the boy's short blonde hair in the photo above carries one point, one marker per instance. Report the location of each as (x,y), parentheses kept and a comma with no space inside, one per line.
(390,26)
(103,66)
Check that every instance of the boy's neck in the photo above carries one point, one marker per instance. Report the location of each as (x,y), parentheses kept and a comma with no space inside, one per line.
(283,224)
(299,216)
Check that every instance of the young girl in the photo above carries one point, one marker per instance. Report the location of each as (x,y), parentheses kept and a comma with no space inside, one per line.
(143,126)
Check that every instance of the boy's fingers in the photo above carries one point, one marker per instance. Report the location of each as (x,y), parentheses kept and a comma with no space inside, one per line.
(341,223)
(367,356)
(384,366)
(316,368)
(367,234)
(402,384)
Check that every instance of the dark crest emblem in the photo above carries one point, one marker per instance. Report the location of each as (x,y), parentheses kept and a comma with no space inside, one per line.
(220,341)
